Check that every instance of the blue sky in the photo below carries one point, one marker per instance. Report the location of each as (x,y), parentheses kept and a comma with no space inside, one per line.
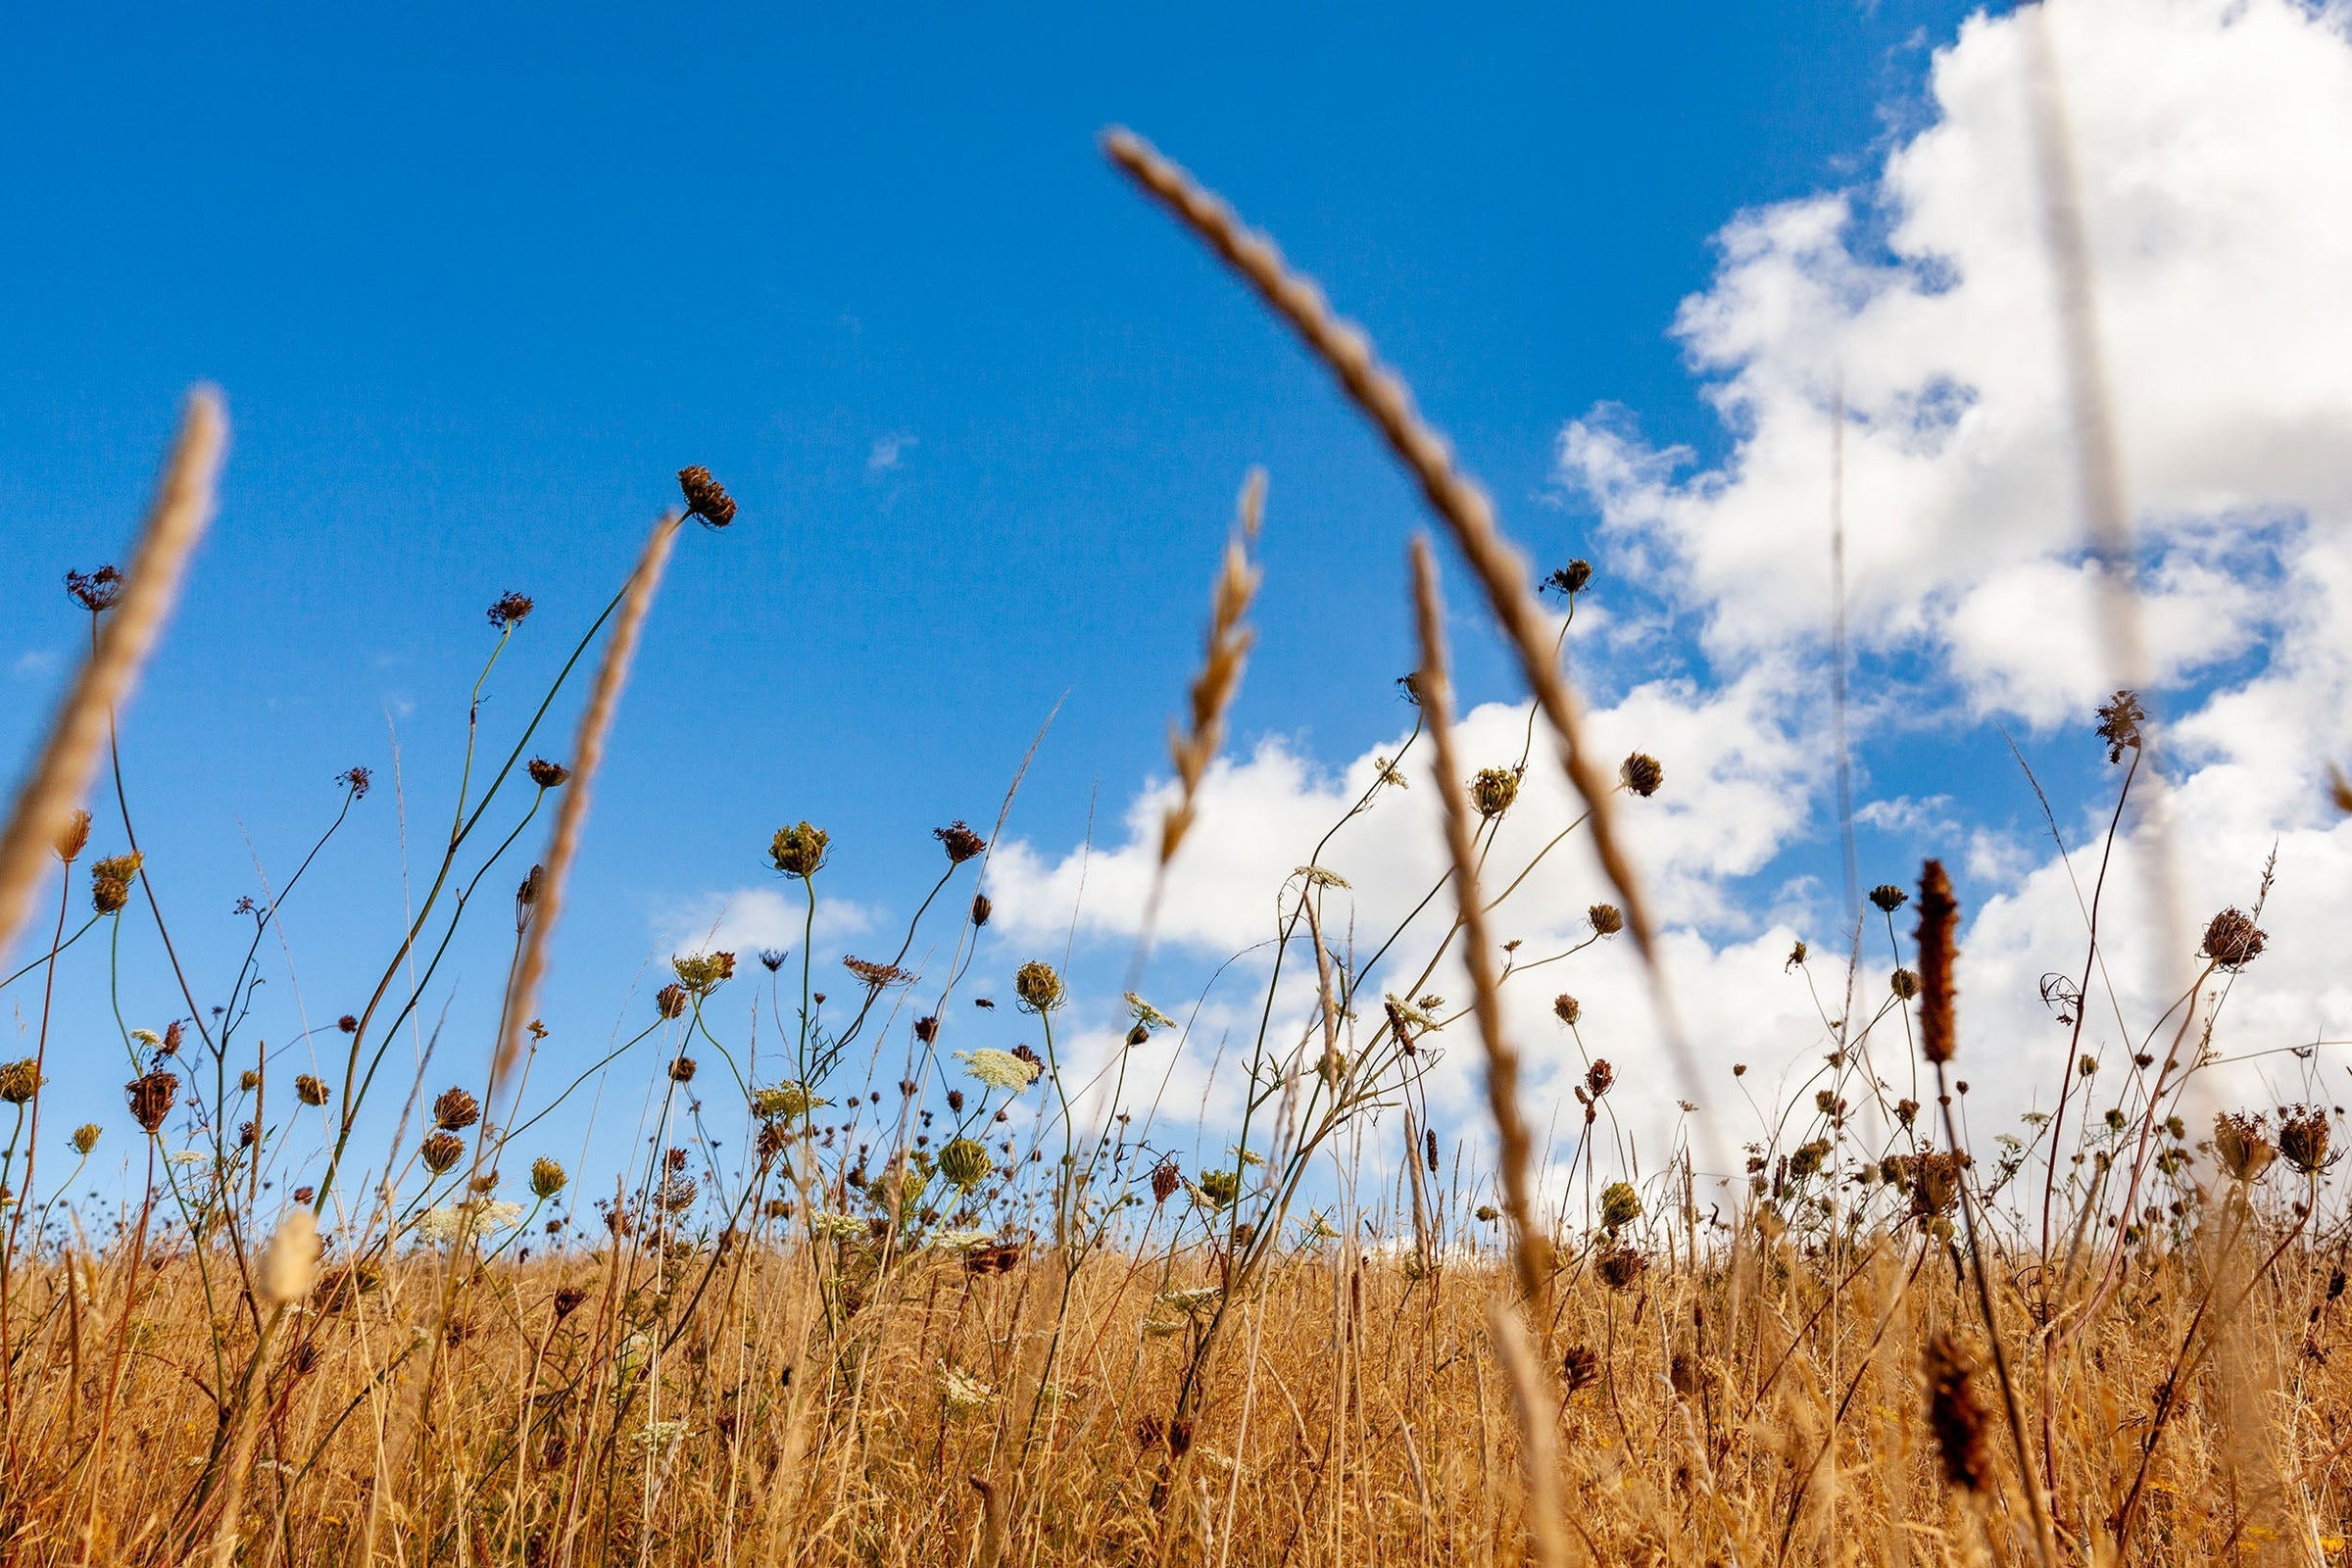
(477,284)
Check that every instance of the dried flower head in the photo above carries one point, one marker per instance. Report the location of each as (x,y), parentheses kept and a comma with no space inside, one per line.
(110,881)
(1620,1205)
(310,1090)
(1889,898)
(799,849)
(441,1150)
(547,1178)
(249,1080)
(85,1137)
(965,1163)
(681,1069)
(1904,983)
(511,610)
(2303,1137)
(349,1023)
(1619,1267)
(700,973)
(2243,1144)
(877,975)
(1954,1414)
(1494,789)
(1606,919)
(981,909)
(1580,1368)
(1600,1077)
(455,1110)
(358,780)
(74,837)
(959,840)
(1938,919)
(569,1300)
(2232,940)
(546,775)
(670,1002)
(1038,986)
(773,958)
(1567,1009)
(2119,718)
(21,1080)
(150,1096)
(706,497)
(1643,774)
(1931,1180)
(1166,1177)
(96,591)
(1568,581)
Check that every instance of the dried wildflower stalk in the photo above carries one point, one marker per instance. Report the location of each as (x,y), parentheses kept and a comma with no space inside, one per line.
(530,965)
(1228,650)
(1531,1248)
(47,800)
(1459,504)
(1537,1414)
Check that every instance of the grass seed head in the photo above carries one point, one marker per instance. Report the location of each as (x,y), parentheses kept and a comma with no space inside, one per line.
(1938,920)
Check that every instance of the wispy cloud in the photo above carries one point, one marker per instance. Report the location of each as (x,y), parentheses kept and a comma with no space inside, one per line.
(889,452)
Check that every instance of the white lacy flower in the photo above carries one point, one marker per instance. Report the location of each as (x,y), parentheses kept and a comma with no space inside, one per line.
(836,1227)
(449,1222)
(965,1392)
(998,1069)
(1191,1301)
(960,1240)
(656,1438)
(187,1156)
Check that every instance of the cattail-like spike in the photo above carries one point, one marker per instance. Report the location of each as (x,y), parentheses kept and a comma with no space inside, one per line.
(59,777)
(1954,1414)
(1531,1248)
(530,965)
(1938,917)
(1193,749)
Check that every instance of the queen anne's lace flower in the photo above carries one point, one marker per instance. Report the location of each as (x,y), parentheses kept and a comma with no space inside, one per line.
(998,1069)
(965,1392)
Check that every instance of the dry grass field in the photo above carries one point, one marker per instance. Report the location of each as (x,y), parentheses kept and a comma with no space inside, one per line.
(977,1315)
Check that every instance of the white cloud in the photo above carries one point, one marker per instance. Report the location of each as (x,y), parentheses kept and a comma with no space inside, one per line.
(889,452)
(35,663)
(744,920)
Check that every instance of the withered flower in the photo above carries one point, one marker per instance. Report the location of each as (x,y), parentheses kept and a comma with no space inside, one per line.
(681,1070)
(74,837)
(926,1029)
(546,775)
(150,1096)
(1903,982)
(96,591)
(877,975)
(706,497)
(1620,1267)
(455,1110)
(959,840)
(1598,1077)
(2232,940)
(110,881)
(1038,986)
(2119,718)
(1166,1177)
(569,1298)
(1571,579)
(773,958)
(509,610)
(21,1080)
(441,1150)
(310,1090)
(1567,1009)
(2243,1144)
(670,1002)
(1643,774)
(349,1023)
(1494,789)
(799,849)
(1889,898)
(85,1137)
(980,909)
(1606,919)
(2303,1137)
(358,780)
(1580,1368)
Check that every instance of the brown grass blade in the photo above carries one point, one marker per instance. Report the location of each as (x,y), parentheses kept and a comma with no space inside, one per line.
(1537,1413)
(60,776)
(1530,1247)
(1384,398)
(563,843)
